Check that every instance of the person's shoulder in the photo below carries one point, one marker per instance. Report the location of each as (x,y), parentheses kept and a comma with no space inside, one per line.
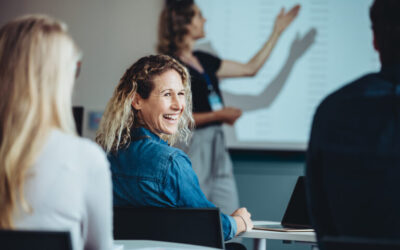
(179,160)
(77,150)
(178,153)
(205,56)
(210,63)
(349,91)
(150,150)
(166,151)
(80,144)
(357,86)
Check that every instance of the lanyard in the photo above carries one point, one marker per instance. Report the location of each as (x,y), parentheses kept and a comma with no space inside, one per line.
(213,98)
(208,81)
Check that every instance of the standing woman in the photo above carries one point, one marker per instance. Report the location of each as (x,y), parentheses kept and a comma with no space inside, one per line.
(181,25)
(50,178)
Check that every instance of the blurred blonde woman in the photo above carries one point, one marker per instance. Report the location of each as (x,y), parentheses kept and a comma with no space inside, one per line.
(149,111)
(50,179)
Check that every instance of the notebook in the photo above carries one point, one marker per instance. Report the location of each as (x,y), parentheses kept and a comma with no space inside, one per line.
(296,217)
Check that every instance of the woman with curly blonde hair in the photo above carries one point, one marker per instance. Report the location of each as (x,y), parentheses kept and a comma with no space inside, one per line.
(151,108)
(50,178)
(120,117)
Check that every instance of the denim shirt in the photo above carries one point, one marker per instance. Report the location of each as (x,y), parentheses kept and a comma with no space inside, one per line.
(151,173)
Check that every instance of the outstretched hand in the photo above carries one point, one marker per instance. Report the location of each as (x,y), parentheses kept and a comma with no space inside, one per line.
(284,19)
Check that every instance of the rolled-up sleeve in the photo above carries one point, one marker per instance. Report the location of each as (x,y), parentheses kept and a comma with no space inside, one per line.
(182,188)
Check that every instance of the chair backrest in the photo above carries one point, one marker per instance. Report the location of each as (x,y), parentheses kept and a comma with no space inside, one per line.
(357,243)
(78,112)
(35,240)
(182,225)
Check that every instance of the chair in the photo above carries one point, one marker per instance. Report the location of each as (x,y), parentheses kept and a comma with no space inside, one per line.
(183,225)
(35,240)
(357,243)
(78,112)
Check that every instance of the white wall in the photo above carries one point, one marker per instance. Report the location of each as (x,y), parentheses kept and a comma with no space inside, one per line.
(111,33)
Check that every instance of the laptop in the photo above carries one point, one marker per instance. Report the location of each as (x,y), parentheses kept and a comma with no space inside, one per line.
(296,217)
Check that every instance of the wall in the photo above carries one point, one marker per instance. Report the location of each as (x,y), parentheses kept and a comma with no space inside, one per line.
(265,183)
(111,34)
(114,34)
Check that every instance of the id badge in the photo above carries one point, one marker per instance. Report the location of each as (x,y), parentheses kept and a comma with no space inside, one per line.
(215,101)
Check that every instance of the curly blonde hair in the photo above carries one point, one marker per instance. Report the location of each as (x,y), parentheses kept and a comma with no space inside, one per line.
(172,26)
(120,117)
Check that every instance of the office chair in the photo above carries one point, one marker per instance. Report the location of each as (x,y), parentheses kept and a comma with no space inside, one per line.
(357,243)
(183,225)
(35,240)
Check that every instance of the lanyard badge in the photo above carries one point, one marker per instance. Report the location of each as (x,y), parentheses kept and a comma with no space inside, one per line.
(213,98)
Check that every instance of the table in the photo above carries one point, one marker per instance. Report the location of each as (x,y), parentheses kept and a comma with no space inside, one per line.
(159,245)
(260,236)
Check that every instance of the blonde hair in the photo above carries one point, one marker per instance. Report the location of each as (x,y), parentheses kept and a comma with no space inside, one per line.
(37,68)
(120,117)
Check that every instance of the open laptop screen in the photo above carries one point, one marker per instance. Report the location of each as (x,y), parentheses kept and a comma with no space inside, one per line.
(296,214)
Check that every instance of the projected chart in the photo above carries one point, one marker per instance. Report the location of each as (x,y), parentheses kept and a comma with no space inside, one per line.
(328,45)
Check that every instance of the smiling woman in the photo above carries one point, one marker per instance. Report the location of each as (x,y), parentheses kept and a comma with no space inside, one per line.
(161,111)
(151,108)
(147,96)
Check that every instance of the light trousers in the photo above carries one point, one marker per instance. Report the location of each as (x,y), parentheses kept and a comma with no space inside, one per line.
(213,166)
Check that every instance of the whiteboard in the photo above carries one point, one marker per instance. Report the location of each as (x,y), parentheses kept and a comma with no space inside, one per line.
(328,45)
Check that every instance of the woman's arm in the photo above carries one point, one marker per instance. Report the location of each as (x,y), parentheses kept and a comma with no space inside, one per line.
(243,220)
(237,69)
(226,115)
(181,188)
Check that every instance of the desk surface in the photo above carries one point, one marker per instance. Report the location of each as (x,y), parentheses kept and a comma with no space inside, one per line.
(273,235)
(152,244)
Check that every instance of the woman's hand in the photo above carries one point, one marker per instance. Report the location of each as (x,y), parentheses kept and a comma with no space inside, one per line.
(226,115)
(239,69)
(229,115)
(243,221)
(283,19)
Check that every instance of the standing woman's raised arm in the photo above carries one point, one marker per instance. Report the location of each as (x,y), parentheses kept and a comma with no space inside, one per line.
(236,69)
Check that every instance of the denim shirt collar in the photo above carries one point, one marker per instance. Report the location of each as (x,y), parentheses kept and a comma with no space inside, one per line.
(141,133)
